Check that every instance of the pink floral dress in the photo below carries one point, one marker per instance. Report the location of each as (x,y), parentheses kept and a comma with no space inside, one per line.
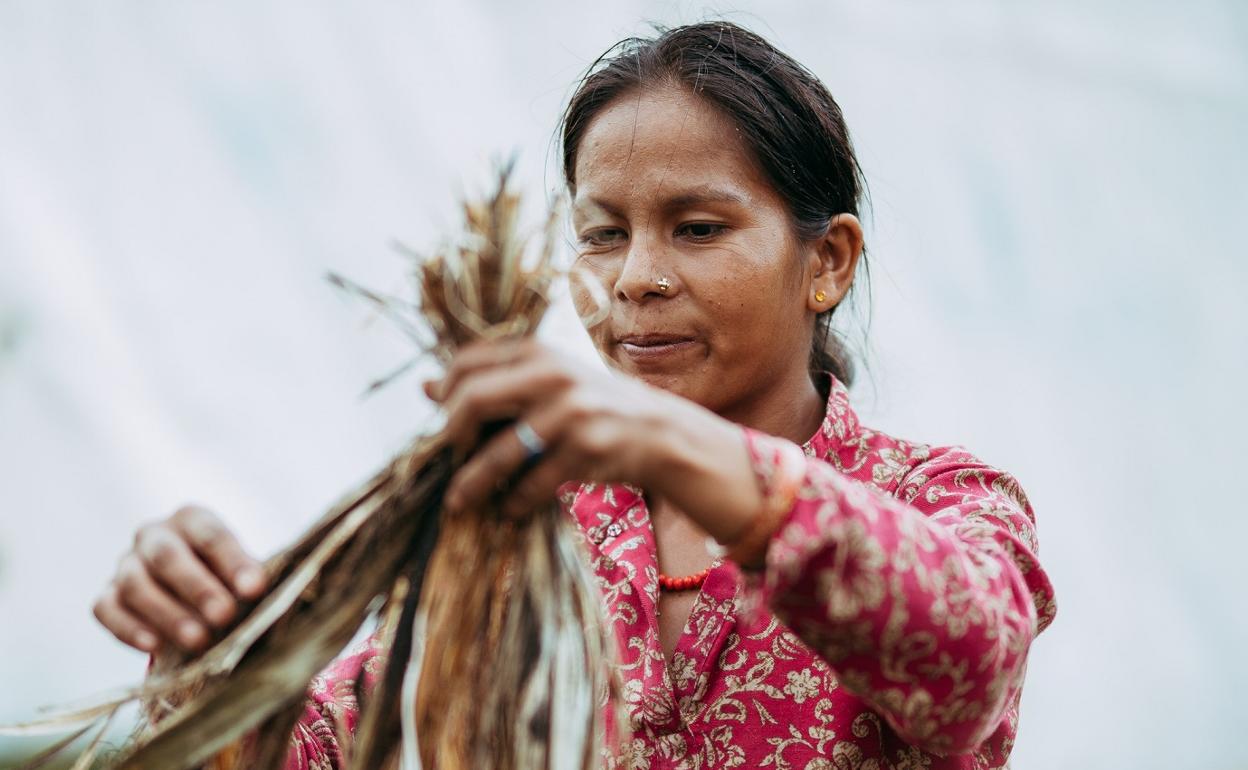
(889,628)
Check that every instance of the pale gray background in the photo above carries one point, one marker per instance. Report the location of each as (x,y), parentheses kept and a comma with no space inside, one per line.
(1060,193)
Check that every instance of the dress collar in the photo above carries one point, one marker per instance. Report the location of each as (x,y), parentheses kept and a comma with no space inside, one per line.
(840,423)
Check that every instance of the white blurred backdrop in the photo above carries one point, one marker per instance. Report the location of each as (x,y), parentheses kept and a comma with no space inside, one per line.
(1060,191)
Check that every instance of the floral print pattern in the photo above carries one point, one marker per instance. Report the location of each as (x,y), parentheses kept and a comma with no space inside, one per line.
(888,629)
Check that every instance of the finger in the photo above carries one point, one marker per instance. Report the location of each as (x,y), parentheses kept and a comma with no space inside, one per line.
(123,624)
(485,473)
(481,401)
(170,560)
(483,354)
(143,597)
(500,458)
(541,484)
(563,460)
(482,475)
(225,555)
(498,394)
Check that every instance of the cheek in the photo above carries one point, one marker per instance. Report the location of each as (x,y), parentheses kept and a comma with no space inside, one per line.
(756,300)
(754,286)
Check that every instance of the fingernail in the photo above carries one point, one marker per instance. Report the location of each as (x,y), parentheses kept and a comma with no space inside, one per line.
(146,641)
(190,633)
(249,580)
(217,611)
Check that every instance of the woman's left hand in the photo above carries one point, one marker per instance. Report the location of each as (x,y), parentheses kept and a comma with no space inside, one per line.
(591,425)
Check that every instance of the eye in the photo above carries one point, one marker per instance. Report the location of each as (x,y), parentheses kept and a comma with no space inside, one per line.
(701,231)
(602,237)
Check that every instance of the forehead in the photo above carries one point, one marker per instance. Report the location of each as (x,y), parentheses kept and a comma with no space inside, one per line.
(658,143)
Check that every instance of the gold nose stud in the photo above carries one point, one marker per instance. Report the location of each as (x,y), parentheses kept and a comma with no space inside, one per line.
(663,285)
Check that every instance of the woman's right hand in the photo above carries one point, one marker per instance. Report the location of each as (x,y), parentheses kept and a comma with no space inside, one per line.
(183,578)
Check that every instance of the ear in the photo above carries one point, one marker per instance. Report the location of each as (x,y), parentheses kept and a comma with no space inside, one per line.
(834,259)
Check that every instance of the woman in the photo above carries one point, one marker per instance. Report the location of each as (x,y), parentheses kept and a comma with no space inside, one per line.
(878,596)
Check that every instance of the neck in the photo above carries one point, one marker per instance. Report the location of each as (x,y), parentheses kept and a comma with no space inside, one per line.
(790,407)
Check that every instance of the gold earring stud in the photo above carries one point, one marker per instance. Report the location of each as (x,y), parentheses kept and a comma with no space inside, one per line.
(820,296)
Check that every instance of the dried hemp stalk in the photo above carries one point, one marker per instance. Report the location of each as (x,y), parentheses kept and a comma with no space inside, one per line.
(498,656)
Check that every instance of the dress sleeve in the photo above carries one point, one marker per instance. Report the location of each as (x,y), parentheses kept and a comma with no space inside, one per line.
(924,603)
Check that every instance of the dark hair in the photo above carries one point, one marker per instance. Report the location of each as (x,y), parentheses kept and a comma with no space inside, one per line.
(785,115)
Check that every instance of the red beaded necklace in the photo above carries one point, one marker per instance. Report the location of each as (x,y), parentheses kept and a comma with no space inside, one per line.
(683,582)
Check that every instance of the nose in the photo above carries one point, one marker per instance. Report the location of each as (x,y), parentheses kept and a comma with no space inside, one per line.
(646,272)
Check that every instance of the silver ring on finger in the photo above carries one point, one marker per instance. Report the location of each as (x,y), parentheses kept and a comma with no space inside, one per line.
(534,445)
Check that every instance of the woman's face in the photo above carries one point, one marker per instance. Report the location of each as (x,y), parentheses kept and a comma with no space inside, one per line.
(665,188)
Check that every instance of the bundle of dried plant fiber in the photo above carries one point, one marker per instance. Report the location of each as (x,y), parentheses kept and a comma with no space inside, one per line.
(498,654)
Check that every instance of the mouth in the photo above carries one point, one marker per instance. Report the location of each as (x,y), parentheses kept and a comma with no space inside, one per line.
(654,348)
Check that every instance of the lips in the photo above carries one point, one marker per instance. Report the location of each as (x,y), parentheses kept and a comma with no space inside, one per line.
(652,340)
(654,347)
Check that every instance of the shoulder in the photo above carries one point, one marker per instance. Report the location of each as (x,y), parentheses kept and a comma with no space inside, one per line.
(940,480)
(924,474)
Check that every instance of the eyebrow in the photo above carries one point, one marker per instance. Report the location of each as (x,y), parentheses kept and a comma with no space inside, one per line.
(697,196)
(703,195)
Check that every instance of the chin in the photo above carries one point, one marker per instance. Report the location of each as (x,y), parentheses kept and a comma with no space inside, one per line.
(673,383)
(692,386)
